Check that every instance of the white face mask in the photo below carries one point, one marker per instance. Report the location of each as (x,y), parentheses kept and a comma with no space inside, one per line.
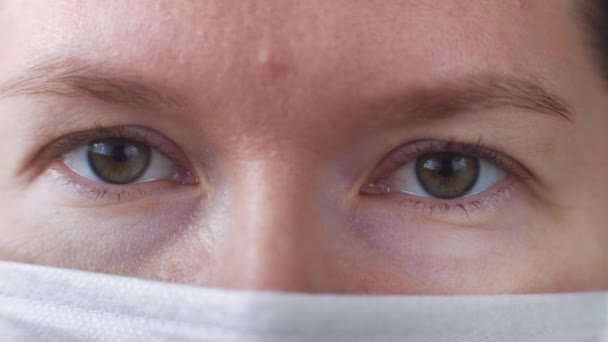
(48,304)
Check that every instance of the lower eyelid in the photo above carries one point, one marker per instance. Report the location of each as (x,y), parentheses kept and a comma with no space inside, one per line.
(462,209)
(482,203)
(81,191)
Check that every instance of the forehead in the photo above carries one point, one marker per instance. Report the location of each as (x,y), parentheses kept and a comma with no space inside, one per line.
(313,33)
(295,51)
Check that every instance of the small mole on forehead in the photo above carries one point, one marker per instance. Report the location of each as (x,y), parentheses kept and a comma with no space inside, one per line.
(270,63)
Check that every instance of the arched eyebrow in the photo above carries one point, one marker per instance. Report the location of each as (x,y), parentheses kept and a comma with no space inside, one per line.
(435,100)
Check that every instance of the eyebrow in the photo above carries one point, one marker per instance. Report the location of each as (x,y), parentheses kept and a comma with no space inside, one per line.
(477,92)
(434,101)
(60,77)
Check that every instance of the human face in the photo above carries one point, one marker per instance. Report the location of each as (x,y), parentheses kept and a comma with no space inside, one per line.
(321,146)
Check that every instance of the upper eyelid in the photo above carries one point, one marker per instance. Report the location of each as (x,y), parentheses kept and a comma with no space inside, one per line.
(68,142)
(400,156)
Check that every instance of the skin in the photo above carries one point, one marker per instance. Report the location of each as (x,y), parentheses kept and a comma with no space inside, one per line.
(280,117)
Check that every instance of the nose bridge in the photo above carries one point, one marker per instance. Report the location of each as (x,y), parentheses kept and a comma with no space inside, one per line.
(274,232)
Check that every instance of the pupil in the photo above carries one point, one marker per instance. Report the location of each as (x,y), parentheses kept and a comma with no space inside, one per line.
(119,153)
(446,168)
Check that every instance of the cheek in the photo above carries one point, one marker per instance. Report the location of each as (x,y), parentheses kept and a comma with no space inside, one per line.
(575,247)
(118,238)
(500,253)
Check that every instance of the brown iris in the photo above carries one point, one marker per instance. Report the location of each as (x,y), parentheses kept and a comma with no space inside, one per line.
(447,175)
(118,161)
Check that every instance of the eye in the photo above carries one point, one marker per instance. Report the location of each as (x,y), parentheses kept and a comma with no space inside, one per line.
(119,161)
(443,175)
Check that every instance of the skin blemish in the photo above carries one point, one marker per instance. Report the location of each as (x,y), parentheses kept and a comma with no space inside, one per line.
(271,64)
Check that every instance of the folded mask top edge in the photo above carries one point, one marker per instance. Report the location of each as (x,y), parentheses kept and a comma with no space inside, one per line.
(146,305)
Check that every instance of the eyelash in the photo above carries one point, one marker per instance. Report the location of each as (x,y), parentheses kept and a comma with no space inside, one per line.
(72,141)
(515,173)
(100,192)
